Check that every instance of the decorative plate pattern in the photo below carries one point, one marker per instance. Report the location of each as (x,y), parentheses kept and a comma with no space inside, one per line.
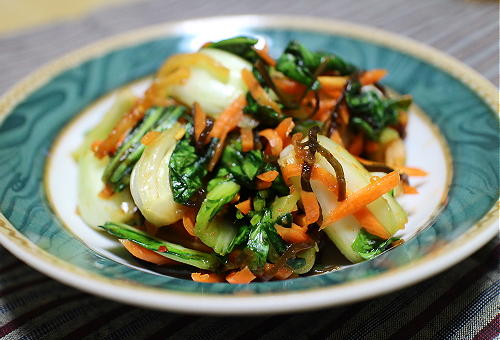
(457,100)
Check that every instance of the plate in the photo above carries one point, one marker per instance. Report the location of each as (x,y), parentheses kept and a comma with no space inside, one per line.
(453,135)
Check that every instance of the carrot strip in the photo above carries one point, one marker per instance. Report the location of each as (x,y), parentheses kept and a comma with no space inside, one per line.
(200,120)
(295,234)
(106,192)
(300,220)
(412,171)
(336,138)
(244,206)
(268,176)
(289,86)
(359,199)
(246,139)
(264,55)
(371,146)
(257,92)
(229,118)
(149,137)
(372,76)
(356,146)
(370,223)
(328,180)
(331,83)
(325,108)
(241,277)
(145,254)
(282,274)
(261,185)
(284,129)
(291,170)
(344,114)
(409,190)
(188,220)
(274,140)
(311,206)
(207,278)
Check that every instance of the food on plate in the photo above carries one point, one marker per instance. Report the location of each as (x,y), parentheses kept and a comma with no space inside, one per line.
(241,168)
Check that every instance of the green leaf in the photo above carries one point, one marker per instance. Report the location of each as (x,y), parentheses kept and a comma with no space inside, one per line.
(241,46)
(187,169)
(368,246)
(266,116)
(244,166)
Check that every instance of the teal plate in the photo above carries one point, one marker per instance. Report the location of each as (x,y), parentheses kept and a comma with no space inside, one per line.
(458,100)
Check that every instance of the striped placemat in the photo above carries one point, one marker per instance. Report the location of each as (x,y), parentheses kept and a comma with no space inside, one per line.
(461,303)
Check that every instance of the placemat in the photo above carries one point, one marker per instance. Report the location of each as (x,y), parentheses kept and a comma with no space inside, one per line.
(460,303)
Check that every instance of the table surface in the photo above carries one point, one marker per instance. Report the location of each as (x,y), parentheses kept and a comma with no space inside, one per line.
(460,303)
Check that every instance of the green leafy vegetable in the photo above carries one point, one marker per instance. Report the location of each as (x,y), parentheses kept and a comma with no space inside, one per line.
(370,112)
(119,168)
(167,249)
(266,116)
(368,246)
(299,63)
(241,46)
(244,166)
(187,169)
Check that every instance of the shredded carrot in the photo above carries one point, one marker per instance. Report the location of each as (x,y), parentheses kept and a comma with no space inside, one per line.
(236,198)
(229,118)
(371,146)
(330,83)
(359,199)
(145,254)
(268,176)
(412,171)
(300,220)
(275,144)
(336,137)
(409,190)
(291,170)
(244,206)
(207,278)
(288,86)
(356,146)
(257,92)
(372,76)
(370,223)
(189,220)
(241,277)
(295,234)
(311,206)
(200,120)
(325,177)
(106,192)
(261,185)
(344,114)
(282,274)
(325,108)
(95,145)
(246,139)
(149,137)
(264,55)
(284,129)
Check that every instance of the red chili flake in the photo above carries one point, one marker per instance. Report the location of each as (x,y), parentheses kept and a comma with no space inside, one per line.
(162,249)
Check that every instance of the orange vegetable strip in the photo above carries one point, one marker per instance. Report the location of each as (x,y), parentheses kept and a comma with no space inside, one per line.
(145,254)
(261,185)
(246,139)
(268,176)
(295,234)
(274,140)
(289,86)
(282,274)
(336,137)
(291,170)
(149,137)
(244,206)
(371,146)
(229,118)
(408,189)
(325,177)
(188,220)
(344,114)
(356,146)
(311,206)
(359,199)
(284,129)
(412,171)
(300,220)
(257,92)
(372,76)
(106,192)
(207,278)
(241,277)
(370,223)
(200,120)
(264,55)
(330,83)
